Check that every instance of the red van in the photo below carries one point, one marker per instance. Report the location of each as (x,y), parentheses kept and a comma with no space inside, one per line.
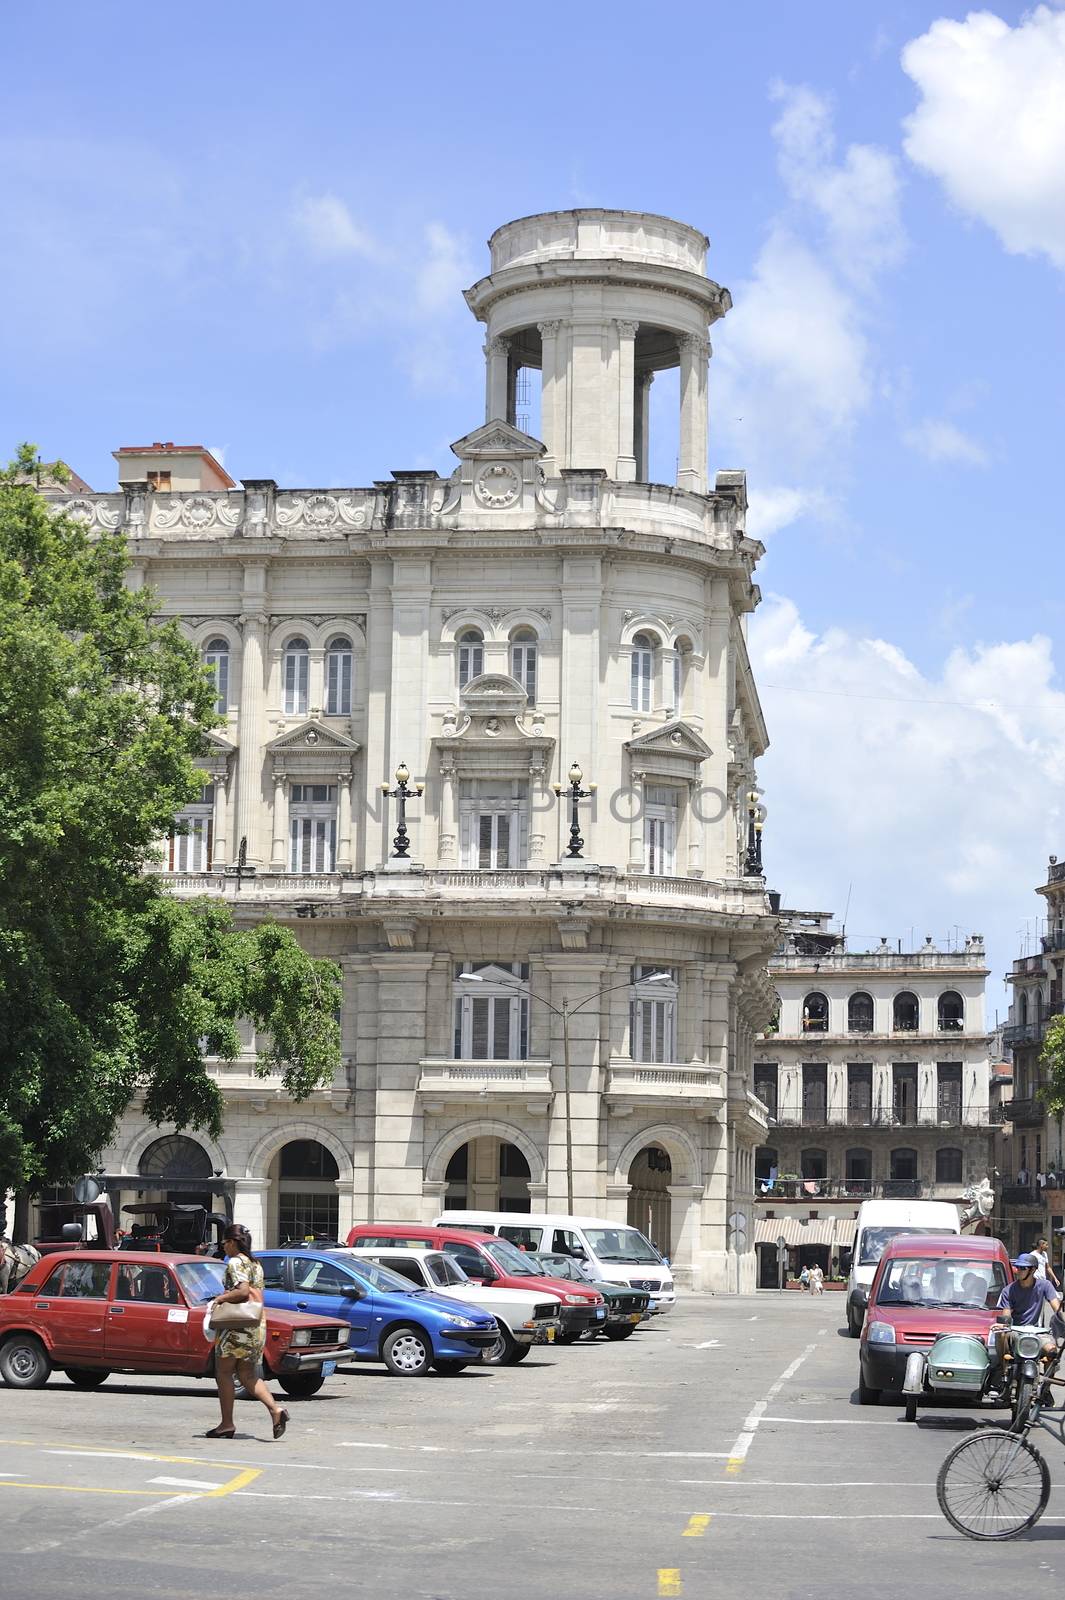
(486,1259)
(925,1285)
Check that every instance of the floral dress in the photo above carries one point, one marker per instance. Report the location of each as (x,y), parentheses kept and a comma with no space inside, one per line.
(243,1344)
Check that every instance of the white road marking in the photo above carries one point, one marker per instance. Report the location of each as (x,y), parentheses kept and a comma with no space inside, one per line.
(185,1483)
(517,1450)
(709,1344)
(838,1422)
(112,1522)
(105,1455)
(745,1438)
(12,1474)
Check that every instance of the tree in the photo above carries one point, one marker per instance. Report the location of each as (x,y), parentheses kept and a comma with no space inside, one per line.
(1052,1060)
(109,986)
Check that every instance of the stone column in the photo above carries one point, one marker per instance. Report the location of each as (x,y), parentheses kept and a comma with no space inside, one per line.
(344,821)
(278,852)
(221,820)
(251,732)
(447,829)
(694,354)
(626,457)
(642,424)
(551,383)
(693,824)
(497,376)
(249,1208)
(636,861)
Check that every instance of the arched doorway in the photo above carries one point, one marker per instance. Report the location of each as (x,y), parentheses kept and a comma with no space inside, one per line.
(650,1210)
(304,1175)
(176,1156)
(487,1174)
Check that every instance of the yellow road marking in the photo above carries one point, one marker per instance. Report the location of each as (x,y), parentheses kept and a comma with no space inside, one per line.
(241,1481)
(735,1464)
(79,1488)
(669,1581)
(696,1526)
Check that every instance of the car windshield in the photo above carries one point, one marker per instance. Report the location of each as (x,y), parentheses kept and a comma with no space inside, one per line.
(936,1281)
(560,1267)
(876,1240)
(510,1259)
(201,1280)
(378,1277)
(621,1244)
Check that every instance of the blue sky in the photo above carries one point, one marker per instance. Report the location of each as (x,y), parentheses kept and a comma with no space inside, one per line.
(223,227)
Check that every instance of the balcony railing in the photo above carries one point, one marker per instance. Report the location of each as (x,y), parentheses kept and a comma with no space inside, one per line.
(1018,1194)
(1024,1112)
(855,1189)
(659,1083)
(1021,1033)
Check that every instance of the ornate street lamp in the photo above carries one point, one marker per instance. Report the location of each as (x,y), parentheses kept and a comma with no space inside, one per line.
(752,866)
(402,792)
(576,795)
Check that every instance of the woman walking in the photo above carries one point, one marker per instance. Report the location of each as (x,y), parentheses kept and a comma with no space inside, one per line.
(238,1351)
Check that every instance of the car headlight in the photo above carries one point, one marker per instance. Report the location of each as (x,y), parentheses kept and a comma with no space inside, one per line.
(1028,1345)
(302,1336)
(577,1300)
(667,1286)
(461,1322)
(880,1333)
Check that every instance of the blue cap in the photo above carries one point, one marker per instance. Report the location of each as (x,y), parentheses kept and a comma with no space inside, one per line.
(1024,1261)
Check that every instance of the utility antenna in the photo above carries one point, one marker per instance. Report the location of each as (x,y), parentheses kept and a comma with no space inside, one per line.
(846,909)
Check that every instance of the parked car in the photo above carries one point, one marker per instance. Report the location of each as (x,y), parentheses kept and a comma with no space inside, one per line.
(615,1252)
(94,1312)
(486,1259)
(525,1316)
(926,1285)
(880,1221)
(625,1308)
(409,1329)
(161,1225)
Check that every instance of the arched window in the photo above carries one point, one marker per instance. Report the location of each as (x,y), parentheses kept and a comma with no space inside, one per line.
(858,1171)
(813,1166)
(1022,1009)
(815,1013)
(951,1012)
(296,672)
(765,1161)
(216,659)
(905,1013)
(948,1165)
(523,660)
(471,655)
(860,1013)
(904,1165)
(338,677)
(641,672)
(308,1205)
(175,1156)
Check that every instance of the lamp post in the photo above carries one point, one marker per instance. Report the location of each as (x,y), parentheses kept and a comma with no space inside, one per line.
(565,1012)
(402,792)
(240,869)
(752,866)
(576,795)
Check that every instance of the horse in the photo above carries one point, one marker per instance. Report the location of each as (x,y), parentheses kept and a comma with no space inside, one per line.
(15,1261)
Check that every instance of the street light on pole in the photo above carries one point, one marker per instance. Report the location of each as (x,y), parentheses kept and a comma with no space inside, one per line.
(576,795)
(565,1012)
(402,793)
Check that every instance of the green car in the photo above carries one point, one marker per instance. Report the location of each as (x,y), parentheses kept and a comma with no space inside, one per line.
(625,1307)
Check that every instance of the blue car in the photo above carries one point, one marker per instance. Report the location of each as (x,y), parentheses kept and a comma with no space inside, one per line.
(407,1328)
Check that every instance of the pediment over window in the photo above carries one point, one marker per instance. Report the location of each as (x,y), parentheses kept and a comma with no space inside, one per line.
(675,740)
(495,733)
(498,439)
(311,748)
(217,757)
(494,694)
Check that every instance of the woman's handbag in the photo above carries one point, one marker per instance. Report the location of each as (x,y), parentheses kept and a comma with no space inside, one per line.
(235,1315)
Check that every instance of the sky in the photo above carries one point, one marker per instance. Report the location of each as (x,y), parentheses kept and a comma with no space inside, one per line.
(249,227)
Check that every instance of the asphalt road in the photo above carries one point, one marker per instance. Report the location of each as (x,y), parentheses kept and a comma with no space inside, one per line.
(719,1450)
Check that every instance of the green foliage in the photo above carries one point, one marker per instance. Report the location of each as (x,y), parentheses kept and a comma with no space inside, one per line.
(107,984)
(1052,1060)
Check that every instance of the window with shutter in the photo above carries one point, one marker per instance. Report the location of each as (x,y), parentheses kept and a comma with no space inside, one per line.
(296,671)
(660,830)
(492,1018)
(523,661)
(642,666)
(191,844)
(493,823)
(653,1016)
(338,676)
(470,656)
(216,658)
(312,827)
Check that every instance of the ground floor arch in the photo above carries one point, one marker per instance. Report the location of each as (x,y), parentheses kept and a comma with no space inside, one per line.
(488,1174)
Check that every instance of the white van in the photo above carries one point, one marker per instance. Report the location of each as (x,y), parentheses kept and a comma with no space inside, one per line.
(878,1222)
(615,1252)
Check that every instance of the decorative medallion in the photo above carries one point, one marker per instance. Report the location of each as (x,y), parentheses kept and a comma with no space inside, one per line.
(197,512)
(320,510)
(79,510)
(497,486)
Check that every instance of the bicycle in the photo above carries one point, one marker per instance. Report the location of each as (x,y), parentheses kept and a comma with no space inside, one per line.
(996,1485)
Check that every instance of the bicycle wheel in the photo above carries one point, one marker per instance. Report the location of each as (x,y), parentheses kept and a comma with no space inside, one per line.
(993,1486)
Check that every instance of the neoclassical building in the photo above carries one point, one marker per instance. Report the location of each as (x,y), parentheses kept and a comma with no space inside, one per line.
(544,606)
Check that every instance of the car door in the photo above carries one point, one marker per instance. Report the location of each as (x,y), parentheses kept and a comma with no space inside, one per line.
(147,1320)
(318,1289)
(474,1262)
(79,1312)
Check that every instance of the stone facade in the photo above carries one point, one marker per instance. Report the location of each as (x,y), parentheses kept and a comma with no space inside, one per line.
(545,605)
(877,1083)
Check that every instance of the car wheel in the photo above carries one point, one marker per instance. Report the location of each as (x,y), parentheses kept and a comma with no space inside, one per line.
(301,1385)
(447,1369)
(86,1377)
(503,1353)
(620,1333)
(911,1408)
(521,1351)
(854,1324)
(24,1362)
(866,1396)
(407,1352)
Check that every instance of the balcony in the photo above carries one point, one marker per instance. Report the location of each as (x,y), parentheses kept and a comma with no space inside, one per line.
(1024,1113)
(1053,941)
(499,1083)
(1022,1033)
(664,1085)
(1019,1194)
(854,1190)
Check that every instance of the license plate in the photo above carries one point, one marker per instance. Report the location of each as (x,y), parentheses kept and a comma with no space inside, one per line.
(550,1335)
(600,1313)
(636,1316)
(328,1368)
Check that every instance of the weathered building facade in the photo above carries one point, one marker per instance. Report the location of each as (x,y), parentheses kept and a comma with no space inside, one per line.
(543,606)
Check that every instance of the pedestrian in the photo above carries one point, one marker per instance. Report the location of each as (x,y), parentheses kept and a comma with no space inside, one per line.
(804,1276)
(817,1280)
(1041,1251)
(238,1351)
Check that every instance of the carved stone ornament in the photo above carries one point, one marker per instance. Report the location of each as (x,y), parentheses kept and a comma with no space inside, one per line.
(497,486)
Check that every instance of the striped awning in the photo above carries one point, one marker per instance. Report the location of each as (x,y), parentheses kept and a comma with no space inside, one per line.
(805,1230)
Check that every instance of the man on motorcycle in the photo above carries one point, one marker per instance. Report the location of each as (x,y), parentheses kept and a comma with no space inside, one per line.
(1020,1305)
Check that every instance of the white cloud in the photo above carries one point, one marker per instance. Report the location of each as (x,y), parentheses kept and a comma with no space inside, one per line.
(330,229)
(939,440)
(443,271)
(991,122)
(773,508)
(910,783)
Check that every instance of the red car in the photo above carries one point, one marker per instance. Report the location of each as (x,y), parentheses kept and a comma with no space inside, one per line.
(487,1259)
(925,1285)
(94,1312)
